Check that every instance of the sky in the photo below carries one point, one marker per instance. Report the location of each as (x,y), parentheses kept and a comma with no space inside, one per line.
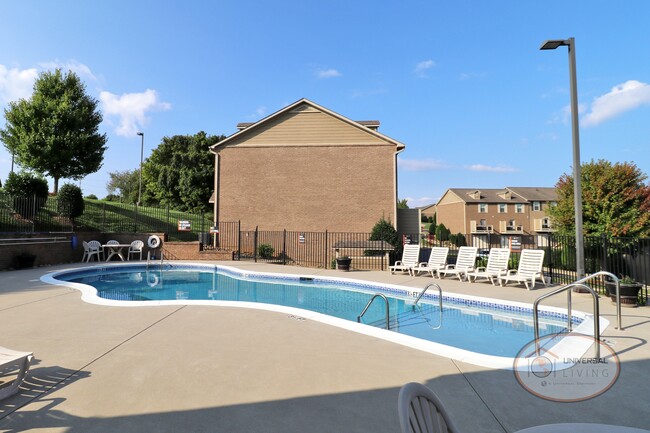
(462,84)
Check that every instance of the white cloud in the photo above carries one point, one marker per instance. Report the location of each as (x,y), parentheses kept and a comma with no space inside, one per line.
(16,83)
(422,68)
(131,109)
(469,75)
(328,73)
(78,68)
(493,169)
(419,164)
(623,97)
(421,201)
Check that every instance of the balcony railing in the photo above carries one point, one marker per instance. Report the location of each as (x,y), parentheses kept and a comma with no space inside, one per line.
(542,225)
(504,227)
(480,228)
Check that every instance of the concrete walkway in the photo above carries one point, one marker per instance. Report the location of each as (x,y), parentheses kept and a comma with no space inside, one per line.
(213,369)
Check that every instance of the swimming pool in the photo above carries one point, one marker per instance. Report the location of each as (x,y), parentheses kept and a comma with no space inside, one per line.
(476,330)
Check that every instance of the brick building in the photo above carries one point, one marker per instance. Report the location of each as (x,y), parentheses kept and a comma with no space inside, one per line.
(306,168)
(512,211)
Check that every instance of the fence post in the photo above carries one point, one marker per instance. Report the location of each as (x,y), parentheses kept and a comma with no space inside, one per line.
(103,217)
(135,219)
(255,245)
(239,240)
(326,249)
(168,223)
(284,248)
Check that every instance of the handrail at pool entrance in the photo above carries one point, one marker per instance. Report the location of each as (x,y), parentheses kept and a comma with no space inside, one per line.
(425,289)
(376,295)
(568,288)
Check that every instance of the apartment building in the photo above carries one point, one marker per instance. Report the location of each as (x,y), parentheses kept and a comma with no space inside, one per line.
(511,211)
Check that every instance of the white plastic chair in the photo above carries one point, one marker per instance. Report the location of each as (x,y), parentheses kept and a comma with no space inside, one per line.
(410,257)
(437,261)
(421,411)
(529,270)
(135,248)
(95,249)
(497,266)
(464,263)
(11,360)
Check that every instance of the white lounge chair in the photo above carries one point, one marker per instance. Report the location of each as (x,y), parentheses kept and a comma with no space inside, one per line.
(410,257)
(529,270)
(497,266)
(421,411)
(11,360)
(437,261)
(464,263)
(135,248)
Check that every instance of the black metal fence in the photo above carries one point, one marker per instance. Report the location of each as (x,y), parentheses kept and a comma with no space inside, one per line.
(41,215)
(620,256)
(311,249)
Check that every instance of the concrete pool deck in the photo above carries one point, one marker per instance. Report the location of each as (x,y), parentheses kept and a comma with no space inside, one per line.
(215,369)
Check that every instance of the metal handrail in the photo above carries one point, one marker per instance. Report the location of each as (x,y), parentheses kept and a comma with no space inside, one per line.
(569,314)
(425,289)
(376,295)
(618,292)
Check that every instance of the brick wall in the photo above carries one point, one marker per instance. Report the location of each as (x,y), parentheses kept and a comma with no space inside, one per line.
(50,251)
(309,188)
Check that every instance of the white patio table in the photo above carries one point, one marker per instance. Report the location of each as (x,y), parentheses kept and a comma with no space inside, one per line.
(115,250)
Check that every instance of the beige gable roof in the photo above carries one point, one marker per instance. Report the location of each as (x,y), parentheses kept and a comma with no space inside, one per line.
(473,195)
(535,193)
(305,123)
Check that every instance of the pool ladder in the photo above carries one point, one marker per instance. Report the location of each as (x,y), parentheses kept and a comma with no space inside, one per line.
(375,296)
(381,295)
(149,259)
(580,283)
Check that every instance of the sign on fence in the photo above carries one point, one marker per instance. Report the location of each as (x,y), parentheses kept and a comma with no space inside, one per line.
(184,226)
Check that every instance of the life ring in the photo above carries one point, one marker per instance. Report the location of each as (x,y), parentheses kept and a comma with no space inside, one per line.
(152,280)
(153,241)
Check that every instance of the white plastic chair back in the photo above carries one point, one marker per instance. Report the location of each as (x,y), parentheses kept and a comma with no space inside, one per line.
(421,411)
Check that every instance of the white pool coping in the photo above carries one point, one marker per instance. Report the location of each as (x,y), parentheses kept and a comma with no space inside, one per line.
(89,295)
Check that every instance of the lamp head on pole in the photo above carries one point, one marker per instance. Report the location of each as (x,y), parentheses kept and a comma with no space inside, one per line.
(141,134)
(554,43)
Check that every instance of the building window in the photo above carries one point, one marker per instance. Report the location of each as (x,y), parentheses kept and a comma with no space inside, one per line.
(483,223)
(519,208)
(503,208)
(537,205)
(482,208)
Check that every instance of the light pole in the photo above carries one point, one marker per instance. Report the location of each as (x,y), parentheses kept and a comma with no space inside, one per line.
(141,134)
(577,188)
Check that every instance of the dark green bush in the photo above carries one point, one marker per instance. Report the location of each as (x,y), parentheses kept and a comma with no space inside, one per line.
(92,197)
(70,201)
(265,251)
(29,193)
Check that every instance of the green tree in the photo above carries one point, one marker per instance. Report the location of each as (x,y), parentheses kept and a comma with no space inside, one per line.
(180,172)
(125,184)
(384,231)
(28,192)
(615,201)
(55,132)
(402,204)
(442,232)
(70,202)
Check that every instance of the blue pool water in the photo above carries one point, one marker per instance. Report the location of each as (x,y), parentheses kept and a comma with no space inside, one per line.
(493,331)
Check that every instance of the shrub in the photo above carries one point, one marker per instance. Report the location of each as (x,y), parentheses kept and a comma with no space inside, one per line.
(29,192)
(92,197)
(70,201)
(384,231)
(265,251)
(112,197)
